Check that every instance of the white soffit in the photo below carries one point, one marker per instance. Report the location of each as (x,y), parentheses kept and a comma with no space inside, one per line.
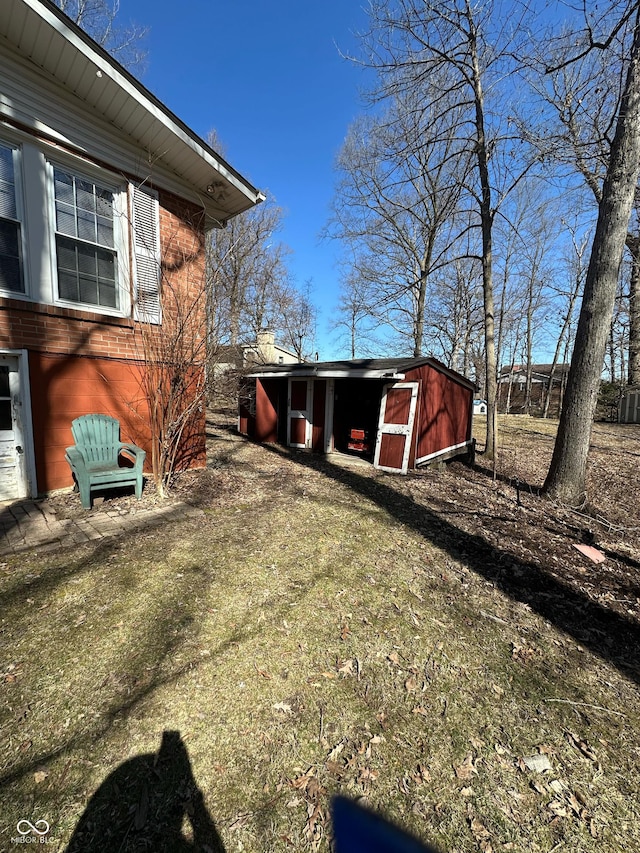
(40,32)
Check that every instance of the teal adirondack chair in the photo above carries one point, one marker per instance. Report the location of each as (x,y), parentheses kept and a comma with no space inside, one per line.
(95,457)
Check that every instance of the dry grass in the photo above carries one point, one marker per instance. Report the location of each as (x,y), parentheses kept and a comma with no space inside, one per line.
(413,641)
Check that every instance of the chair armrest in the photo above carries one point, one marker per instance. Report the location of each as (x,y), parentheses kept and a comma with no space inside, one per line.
(74,457)
(138,453)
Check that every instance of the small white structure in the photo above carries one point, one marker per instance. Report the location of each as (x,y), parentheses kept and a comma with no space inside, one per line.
(479,407)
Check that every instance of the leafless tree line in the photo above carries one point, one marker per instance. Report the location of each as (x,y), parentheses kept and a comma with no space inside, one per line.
(499,139)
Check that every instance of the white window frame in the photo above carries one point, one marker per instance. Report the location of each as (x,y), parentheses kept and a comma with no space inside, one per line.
(120,243)
(20,219)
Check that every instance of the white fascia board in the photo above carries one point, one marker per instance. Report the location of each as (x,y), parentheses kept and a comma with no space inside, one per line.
(142,96)
(327,374)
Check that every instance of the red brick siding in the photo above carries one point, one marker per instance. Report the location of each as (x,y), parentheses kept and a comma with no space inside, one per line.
(81,362)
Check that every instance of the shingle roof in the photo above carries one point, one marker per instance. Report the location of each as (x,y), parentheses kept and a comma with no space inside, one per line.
(366,368)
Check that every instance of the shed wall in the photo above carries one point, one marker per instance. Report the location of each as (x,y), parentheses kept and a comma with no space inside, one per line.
(266,423)
(445,408)
(629,412)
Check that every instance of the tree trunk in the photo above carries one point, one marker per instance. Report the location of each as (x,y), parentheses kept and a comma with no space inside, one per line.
(486,227)
(567,473)
(420,309)
(633,376)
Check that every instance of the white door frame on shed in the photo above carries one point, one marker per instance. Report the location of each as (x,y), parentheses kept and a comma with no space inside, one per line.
(301,414)
(396,429)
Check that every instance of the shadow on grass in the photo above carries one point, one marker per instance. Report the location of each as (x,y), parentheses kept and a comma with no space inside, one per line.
(606,633)
(143,805)
(145,663)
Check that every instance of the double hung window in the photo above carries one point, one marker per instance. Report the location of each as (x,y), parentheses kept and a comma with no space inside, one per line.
(10,234)
(86,254)
(94,244)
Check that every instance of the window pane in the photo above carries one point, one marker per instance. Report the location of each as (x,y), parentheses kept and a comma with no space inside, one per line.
(85,198)
(88,290)
(105,231)
(106,266)
(104,202)
(10,272)
(86,226)
(5,414)
(4,380)
(68,285)
(7,200)
(66,219)
(107,294)
(86,274)
(86,260)
(7,183)
(63,185)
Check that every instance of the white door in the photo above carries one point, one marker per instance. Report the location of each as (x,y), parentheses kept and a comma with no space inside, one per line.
(13,475)
(395,426)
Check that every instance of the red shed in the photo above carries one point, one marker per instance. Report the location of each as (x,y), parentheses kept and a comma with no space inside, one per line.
(399,413)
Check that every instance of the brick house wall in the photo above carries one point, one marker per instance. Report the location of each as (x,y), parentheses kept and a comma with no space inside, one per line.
(82,362)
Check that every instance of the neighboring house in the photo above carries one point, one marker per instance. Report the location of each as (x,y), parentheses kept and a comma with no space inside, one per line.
(512,387)
(267,351)
(105,199)
(399,413)
(263,351)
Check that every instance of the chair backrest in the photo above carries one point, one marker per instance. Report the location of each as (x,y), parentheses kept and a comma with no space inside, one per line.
(99,437)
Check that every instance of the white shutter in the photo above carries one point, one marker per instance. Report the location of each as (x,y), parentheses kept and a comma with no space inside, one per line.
(145,223)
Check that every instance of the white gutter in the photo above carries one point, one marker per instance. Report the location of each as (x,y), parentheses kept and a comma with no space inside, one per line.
(327,374)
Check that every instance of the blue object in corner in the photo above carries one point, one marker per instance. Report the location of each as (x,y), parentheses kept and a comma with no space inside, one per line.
(358,830)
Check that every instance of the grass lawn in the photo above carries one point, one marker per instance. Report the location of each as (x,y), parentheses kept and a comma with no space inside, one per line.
(433,644)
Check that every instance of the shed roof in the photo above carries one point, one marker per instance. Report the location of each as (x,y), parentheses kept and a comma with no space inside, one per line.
(359,368)
(39,31)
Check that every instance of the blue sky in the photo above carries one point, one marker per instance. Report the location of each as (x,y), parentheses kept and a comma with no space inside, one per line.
(270,79)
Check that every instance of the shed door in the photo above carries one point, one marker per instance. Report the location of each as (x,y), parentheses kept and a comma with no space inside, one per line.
(13,479)
(299,413)
(395,427)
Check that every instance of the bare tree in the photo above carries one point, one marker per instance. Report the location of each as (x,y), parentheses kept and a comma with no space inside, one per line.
(298,318)
(455,326)
(250,289)
(394,204)
(567,474)
(354,324)
(583,99)
(471,47)
(567,299)
(100,20)
(246,270)
(173,355)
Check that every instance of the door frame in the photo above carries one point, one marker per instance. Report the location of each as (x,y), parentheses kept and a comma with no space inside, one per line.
(22,414)
(396,429)
(301,414)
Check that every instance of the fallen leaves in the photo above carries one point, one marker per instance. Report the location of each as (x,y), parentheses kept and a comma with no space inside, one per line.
(466,769)
(308,785)
(581,745)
